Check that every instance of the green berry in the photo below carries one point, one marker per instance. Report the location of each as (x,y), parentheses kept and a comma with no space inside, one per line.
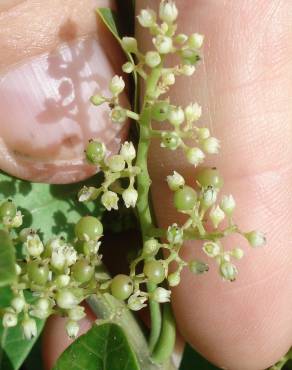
(154,271)
(160,111)
(121,286)
(209,177)
(95,152)
(7,209)
(37,273)
(185,199)
(88,227)
(82,271)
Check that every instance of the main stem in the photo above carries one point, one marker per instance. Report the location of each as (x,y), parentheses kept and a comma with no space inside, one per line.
(160,348)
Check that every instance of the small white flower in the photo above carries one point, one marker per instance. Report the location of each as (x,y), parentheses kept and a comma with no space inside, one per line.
(42,308)
(66,299)
(188,70)
(129,44)
(116,163)
(208,197)
(58,258)
(211,249)
(193,112)
(175,234)
(196,40)
(72,329)
(211,145)
(18,303)
(216,216)
(130,197)
(87,193)
(9,320)
(16,220)
(168,79)
(181,38)
(110,200)
(198,267)
(128,151)
(128,67)
(228,271)
(33,245)
(203,133)
(256,238)
(176,116)
(117,85)
(175,181)
(228,204)
(163,44)
(161,295)
(168,11)
(152,59)
(18,269)
(29,328)
(136,302)
(147,18)
(118,115)
(195,156)
(77,313)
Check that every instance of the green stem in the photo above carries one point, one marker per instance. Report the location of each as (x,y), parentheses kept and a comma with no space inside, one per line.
(279,365)
(166,342)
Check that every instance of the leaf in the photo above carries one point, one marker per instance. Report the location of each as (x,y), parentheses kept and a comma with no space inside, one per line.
(193,360)
(7,259)
(34,360)
(53,209)
(103,347)
(110,19)
(14,348)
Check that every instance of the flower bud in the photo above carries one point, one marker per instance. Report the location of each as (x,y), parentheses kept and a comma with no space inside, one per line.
(33,245)
(151,247)
(97,100)
(9,320)
(117,85)
(217,216)
(66,299)
(130,197)
(77,313)
(152,59)
(198,267)
(128,67)
(16,221)
(42,309)
(116,163)
(147,18)
(129,44)
(163,44)
(195,156)
(203,133)
(228,204)
(118,115)
(72,329)
(176,116)
(175,234)
(161,295)
(175,181)
(193,112)
(228,271)
(237,253)
(62,280)
(110,200)
(181,38)
(211,249)
(211,145)
(18,303)
(174,278)
(87,193)
(188,70)
(208,197)
(29,328)
(256,238)
(189,56)
(128,151)
(168,79)
(168,11)
(196,41)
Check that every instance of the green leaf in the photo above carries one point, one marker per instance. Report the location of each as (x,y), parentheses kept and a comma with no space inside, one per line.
(110,19)
(103,347)
(13,347)
(53,209)
(7,259)
(193,360)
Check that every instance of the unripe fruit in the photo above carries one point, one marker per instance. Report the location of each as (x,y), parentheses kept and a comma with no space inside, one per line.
(121,286)
(88,227)
(154,271)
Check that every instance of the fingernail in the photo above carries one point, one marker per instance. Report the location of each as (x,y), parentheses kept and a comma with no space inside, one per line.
(47,118)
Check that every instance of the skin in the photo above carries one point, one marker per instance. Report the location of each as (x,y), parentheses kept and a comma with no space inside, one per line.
(244,86)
